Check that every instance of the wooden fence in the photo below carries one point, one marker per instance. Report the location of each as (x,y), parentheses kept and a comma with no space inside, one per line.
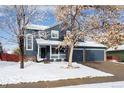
(9,57)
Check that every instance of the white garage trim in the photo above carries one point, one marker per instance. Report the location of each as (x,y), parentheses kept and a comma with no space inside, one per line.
(84,57)
(78,49)
(93,49)
(105,56)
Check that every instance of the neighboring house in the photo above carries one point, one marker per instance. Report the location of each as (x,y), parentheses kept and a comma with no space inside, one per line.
(42,42)
(1,48)
(117,52)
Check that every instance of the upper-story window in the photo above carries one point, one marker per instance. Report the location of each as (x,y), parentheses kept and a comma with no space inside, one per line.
(29,42)
(55,34)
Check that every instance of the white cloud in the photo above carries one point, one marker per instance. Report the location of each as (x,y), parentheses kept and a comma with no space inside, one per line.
(47,7)
(1,14)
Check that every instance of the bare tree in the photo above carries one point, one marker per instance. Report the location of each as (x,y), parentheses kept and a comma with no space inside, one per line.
(72,18)
(16,18)
(107,29)
(113,37)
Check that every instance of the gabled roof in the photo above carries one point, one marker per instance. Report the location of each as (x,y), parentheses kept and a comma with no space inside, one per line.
(55,24)
(40,27)
(91,44)
(47,42)
(36,27)
(120,47)
(55,42)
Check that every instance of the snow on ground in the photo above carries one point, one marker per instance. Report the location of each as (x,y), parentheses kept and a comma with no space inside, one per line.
(118,62)
(10,73)
(119,84)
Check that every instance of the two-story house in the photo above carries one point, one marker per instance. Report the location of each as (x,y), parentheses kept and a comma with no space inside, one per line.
(42,42)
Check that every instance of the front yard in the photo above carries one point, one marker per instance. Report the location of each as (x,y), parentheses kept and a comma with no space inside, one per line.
(10,73)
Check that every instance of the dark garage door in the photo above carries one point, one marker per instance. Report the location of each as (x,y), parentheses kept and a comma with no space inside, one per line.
(94,55)
(78,56)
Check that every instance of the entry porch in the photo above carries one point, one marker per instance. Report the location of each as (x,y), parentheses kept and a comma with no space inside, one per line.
(48,50)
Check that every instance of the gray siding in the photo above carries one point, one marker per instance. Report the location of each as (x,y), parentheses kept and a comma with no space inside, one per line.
(34,51)
(35,32)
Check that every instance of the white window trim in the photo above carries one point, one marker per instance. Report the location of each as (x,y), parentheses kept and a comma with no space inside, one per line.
(56,32)
(27,42)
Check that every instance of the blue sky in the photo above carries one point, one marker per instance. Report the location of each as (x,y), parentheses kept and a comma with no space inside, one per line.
(48,21)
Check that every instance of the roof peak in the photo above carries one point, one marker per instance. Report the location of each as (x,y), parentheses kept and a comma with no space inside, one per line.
(36,27)
(41,27)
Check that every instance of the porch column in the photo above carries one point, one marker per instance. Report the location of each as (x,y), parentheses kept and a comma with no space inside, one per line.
(38,53)
(84,55)
(105,56)
(50,51)
(58,54)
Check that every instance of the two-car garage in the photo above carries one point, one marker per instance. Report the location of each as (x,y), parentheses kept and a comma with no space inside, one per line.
(88,55)
(89,52)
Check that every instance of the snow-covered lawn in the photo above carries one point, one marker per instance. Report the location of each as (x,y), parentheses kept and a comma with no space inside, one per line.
(118,62)
(10,73)
(119,84)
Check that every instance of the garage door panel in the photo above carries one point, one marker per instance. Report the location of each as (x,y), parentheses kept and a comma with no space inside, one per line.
(77,56)
(94,55)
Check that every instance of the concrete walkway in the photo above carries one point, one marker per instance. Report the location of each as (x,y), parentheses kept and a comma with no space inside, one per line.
(110,67)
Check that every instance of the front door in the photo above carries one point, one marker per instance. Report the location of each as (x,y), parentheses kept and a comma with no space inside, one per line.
(43,52)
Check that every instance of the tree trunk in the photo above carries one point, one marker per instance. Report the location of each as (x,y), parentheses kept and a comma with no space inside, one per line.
(70,56)
(21,45)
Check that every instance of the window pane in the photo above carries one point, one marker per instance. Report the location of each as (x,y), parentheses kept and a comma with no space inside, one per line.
(62,51)
(54,34)
(29,46)
(54,51)
(29,42)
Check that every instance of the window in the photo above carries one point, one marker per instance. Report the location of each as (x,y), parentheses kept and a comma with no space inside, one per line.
(62,51)
(29,42)
(54,50)
(54,34)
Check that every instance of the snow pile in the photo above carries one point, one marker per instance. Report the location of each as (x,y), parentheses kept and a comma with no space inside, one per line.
(91,44)
(84,44)
(36,27)
(10,73)
(119,84)
(119,47)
